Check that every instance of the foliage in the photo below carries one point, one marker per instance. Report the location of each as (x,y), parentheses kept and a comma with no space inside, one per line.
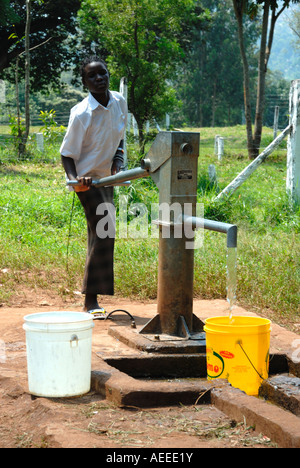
(295,26)
(60,102)
(7,13)
(35,218)
(51,131)
(52,19)
(198,56)
(269,11)
(17,130)
(286,47)
(149,39)
(276,86)
(209,81)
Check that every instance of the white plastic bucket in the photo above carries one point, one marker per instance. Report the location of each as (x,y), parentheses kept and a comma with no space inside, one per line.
(59,353)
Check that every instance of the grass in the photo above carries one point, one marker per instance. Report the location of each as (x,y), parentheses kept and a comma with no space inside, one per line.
(35,210)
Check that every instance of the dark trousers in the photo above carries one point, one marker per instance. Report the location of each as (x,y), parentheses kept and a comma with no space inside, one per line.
(99,269)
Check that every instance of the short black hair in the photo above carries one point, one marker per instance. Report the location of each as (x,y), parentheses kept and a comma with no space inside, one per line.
(90,59)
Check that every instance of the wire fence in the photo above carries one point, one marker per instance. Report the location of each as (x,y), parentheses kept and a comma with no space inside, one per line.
(276,107)
(62,111)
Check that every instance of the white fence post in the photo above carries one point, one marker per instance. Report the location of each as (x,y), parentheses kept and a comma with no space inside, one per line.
(40,141)
(124,92)
(212,174)
(134,126)
(276,118)
(220,148)
(129,122)
(167,122)
(216,144)
(2,91)
(293,145)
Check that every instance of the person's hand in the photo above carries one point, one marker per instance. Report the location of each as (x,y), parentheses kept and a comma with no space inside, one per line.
(117,166)
(85,184)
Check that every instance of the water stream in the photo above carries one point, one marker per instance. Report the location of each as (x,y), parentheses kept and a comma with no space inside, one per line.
(231,279)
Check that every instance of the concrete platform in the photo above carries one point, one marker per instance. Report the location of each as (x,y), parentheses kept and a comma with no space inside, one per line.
(125,374)
(284,391)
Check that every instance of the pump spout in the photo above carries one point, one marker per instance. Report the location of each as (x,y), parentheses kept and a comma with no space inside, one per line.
(229,229)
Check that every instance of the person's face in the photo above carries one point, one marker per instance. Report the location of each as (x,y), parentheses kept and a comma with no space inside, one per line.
(96,78)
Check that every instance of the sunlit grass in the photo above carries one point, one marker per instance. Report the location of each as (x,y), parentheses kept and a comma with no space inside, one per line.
(39,245)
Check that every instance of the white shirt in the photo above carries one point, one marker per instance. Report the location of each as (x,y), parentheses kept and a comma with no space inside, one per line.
(94,134)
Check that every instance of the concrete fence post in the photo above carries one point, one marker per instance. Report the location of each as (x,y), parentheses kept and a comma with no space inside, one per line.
(275,124)
(293,145)
(220,148)
(216,144)
(40,141)
(2,91)
(124,91)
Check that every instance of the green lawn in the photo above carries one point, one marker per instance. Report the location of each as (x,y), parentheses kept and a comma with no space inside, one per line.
(35,210)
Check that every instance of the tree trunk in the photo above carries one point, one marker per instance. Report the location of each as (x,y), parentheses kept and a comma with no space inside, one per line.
(265,51)
(214,104)
(19,136)
(261,83)
(27,77)
(239,10)
(140,124)
(200,112)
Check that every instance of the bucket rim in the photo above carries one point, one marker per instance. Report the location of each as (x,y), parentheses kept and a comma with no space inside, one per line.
(238,317)
(67,317)
(240,323)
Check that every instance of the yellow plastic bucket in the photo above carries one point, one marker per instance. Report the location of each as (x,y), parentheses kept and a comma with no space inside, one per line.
(237,349)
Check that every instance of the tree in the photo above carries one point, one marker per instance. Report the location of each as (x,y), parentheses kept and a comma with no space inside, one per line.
(6,13)
(270,11)
(209,83)
(144,41)
(294,24)
(27,76)
(49,18)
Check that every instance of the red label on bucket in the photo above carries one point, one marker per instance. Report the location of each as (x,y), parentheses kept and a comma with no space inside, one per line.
(227,354)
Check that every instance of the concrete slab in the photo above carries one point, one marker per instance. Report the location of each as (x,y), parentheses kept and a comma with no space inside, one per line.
(124,389)
(283,390)
(164,345)
(279,425)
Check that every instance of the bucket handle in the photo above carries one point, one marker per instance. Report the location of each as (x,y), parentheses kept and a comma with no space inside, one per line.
(74,341)
(239,342)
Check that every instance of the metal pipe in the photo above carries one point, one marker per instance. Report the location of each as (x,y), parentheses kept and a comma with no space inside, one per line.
(122,176)
(229,229)
(175,282)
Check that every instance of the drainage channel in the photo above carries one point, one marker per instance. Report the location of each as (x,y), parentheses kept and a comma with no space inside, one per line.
(174,373)
(171,371)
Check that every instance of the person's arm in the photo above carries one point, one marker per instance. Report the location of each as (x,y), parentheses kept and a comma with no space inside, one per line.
(118,160)
(70,169)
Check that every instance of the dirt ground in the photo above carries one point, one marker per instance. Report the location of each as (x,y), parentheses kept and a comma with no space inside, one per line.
(90,421)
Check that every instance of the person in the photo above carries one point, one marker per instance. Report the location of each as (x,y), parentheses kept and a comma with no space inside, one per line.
(93,148)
